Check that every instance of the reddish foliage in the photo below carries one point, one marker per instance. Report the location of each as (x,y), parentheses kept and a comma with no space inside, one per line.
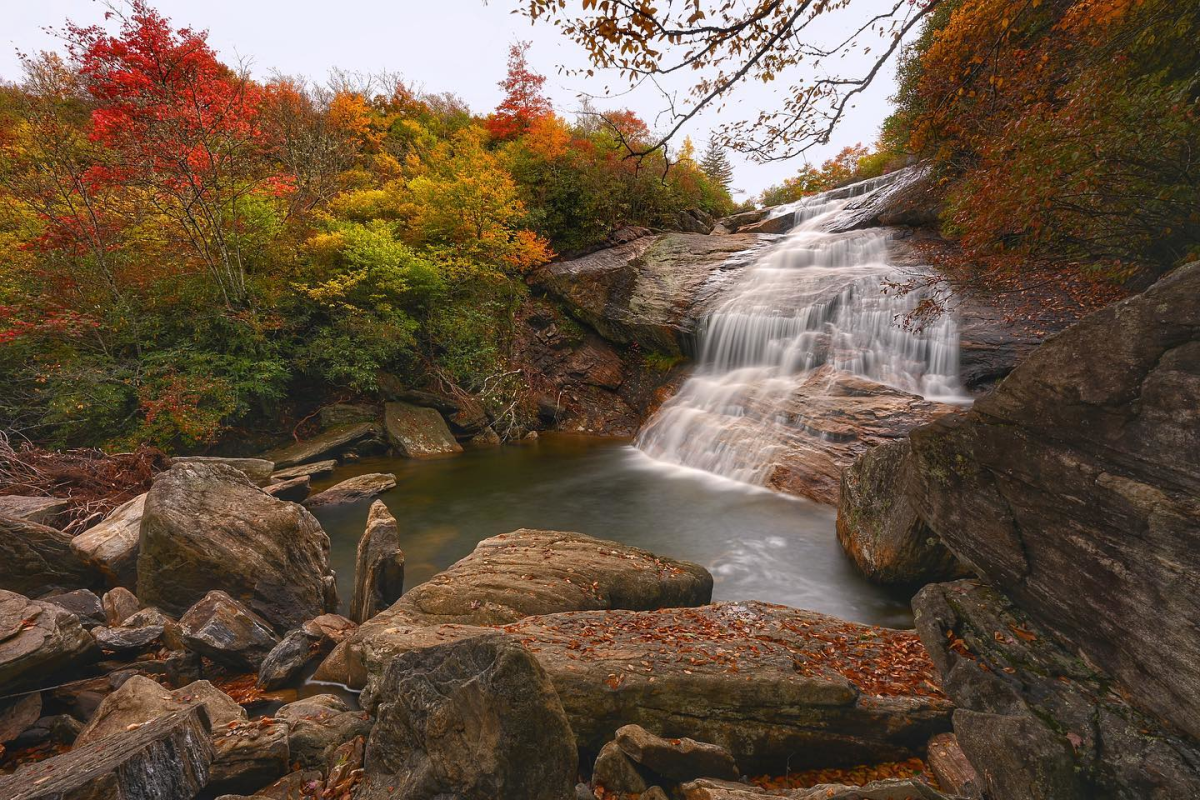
(523,102)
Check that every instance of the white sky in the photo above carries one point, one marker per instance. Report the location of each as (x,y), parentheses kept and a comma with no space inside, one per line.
(458,46)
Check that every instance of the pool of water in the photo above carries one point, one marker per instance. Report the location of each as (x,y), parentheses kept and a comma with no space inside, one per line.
(758,545)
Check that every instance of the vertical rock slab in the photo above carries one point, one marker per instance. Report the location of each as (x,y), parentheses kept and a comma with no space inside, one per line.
(166,758)
(416,432)
(1074,488)
(475,719)
(379,569)
(206,527)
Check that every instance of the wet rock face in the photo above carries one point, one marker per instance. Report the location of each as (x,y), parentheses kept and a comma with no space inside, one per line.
(1036,721)
(206,527)
(650,290)
(36,558)
(1072,488)
(169,757)
(580,382)
(879,528)
(37,639)
(474,719)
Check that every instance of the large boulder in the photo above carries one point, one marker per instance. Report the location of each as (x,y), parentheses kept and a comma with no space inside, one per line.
(379,568)
(1072,488)
(51,511)
(652,290)
(417,432)
(258,470)
(37,640)
(36,558)
(328,443)
(879,528)
(1036,721)
(111,547)
(777,687)
(474,719)
(140,700)
(168,757)
(351,490)
(227,632)
(206,527)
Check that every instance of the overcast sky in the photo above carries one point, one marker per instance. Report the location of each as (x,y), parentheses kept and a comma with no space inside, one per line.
(458,46)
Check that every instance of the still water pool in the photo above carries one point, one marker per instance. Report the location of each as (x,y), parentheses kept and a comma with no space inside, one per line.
(757,544)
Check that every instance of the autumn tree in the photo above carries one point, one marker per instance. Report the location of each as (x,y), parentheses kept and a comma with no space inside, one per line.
(180,125)
(524,100)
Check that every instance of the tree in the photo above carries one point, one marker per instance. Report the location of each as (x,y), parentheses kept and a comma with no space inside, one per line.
(738,42)
(715,164)
(523,101)
(180,125)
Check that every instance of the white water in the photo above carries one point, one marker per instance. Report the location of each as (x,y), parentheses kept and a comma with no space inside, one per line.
(814,299)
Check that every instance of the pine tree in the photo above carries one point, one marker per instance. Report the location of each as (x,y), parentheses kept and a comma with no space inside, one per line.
(716,164)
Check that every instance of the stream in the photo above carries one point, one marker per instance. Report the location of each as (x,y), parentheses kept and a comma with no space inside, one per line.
(758,545)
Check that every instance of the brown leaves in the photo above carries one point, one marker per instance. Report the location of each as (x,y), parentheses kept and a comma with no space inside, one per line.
(852,776)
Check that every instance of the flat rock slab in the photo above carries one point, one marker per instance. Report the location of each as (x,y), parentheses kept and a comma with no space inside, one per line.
(351,490)
(907,789)
(305,470)
(777,687)
(42,510)
(326,443)
(166,758)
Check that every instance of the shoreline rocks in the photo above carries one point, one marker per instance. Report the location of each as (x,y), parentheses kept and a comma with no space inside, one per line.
(379,565)
(417,432)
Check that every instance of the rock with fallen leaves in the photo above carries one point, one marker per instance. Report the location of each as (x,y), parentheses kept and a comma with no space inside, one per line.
(206,526)
(777,687)
(38,640)
(1035,720)
(140,700)
(906,789)
(248,754)
(166,758)
(473,718)
(318,726)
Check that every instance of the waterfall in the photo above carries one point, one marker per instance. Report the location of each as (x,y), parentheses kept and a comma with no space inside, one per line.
(815,301)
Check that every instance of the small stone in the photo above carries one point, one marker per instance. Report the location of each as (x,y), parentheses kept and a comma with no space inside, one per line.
(119,603)
(678,759)
(18,715)
(288,658)
(83,604)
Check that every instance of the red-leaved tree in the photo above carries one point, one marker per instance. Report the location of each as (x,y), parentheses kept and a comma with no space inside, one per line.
(523,101)
(180,126)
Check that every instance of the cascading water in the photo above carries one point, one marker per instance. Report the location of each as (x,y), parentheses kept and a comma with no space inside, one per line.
(814,301)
